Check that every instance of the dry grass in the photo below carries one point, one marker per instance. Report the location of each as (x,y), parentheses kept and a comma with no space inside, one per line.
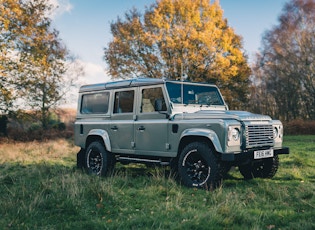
(36,152)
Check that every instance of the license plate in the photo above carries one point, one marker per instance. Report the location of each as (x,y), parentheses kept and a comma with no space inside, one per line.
(260,154)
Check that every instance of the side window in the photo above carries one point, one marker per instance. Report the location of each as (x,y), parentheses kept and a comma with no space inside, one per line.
(96,103)
(124,102)
(150,98)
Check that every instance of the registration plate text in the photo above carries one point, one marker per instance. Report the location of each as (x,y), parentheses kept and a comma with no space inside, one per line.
(260,154)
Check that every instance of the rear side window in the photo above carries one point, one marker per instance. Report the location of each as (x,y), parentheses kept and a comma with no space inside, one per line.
(96,103)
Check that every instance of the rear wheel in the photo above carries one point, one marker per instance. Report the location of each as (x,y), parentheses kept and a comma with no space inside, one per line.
(266,168)
(198,166)
(98,161)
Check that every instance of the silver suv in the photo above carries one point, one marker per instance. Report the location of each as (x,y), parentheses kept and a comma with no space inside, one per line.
(185,125)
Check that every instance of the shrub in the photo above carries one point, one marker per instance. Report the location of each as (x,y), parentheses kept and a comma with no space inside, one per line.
(299,127)
(34,127)
(3,124)
(59,126)
(26,125)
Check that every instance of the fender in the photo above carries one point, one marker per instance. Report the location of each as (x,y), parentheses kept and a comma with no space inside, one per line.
(210,134)
(103,134)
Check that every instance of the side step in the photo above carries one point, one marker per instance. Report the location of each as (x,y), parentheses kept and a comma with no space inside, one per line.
(141,160)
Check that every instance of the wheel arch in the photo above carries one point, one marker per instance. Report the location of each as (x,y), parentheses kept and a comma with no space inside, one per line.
(200,135)
(98,135)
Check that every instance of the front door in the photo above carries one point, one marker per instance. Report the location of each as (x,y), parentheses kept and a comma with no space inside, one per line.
(151,134)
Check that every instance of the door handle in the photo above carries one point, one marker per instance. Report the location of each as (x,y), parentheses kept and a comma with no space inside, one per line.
(114,128)
(141,128)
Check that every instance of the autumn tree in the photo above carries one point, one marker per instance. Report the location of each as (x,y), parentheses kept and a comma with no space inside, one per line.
(10,11)
(176,38)
(286,63)
(33,58)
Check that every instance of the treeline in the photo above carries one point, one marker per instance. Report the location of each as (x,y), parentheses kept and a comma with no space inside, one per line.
(192,38)
(283,82)
(177,39)
(36,68)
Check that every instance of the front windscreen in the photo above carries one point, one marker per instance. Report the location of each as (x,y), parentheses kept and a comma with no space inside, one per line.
(185,93)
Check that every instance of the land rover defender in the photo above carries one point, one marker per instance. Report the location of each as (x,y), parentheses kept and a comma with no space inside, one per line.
(187,126)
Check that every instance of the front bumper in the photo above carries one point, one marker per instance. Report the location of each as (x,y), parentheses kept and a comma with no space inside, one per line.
(249,154)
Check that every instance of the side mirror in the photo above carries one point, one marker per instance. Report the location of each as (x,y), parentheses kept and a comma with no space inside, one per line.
(158,107)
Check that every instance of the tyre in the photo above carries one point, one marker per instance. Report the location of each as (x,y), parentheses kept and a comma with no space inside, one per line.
(80,159)
(225,168)
(266,168)
(98,161)
(198,166)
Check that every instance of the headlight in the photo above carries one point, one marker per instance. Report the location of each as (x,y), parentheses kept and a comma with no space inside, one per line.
(234,136)
(275,132)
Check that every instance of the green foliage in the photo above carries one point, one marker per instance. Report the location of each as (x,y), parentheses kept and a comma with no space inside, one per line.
(180,37)
(55,123)
(41,188)
(35,127)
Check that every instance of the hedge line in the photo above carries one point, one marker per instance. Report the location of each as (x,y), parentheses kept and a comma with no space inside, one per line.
(299,127)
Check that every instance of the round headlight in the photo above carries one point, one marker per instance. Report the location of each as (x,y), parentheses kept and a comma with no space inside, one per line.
(275,132)
(235,134)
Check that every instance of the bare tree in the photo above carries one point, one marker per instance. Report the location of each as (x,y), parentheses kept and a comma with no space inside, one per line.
(287,61)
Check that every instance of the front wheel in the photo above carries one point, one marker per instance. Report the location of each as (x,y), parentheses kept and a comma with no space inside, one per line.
(266,168)
(98,161)
(198,166)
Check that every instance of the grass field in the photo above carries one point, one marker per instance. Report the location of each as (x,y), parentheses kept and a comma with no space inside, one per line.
(41,188)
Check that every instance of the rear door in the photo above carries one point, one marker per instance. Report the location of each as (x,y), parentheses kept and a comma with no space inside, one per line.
(121,127)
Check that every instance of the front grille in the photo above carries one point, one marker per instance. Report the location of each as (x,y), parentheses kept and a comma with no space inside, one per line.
(258,135)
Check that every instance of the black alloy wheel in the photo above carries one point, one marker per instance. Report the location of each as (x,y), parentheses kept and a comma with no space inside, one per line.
(198,166)
(98,161)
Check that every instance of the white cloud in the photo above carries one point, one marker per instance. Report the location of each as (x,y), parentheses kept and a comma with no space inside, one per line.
(91,73)
(92,68)
(60,7)
(94,73)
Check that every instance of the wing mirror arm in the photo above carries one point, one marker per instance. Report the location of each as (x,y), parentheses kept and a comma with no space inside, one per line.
(158,106)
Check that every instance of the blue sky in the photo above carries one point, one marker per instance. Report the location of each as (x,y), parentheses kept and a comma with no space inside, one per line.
(84,26)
